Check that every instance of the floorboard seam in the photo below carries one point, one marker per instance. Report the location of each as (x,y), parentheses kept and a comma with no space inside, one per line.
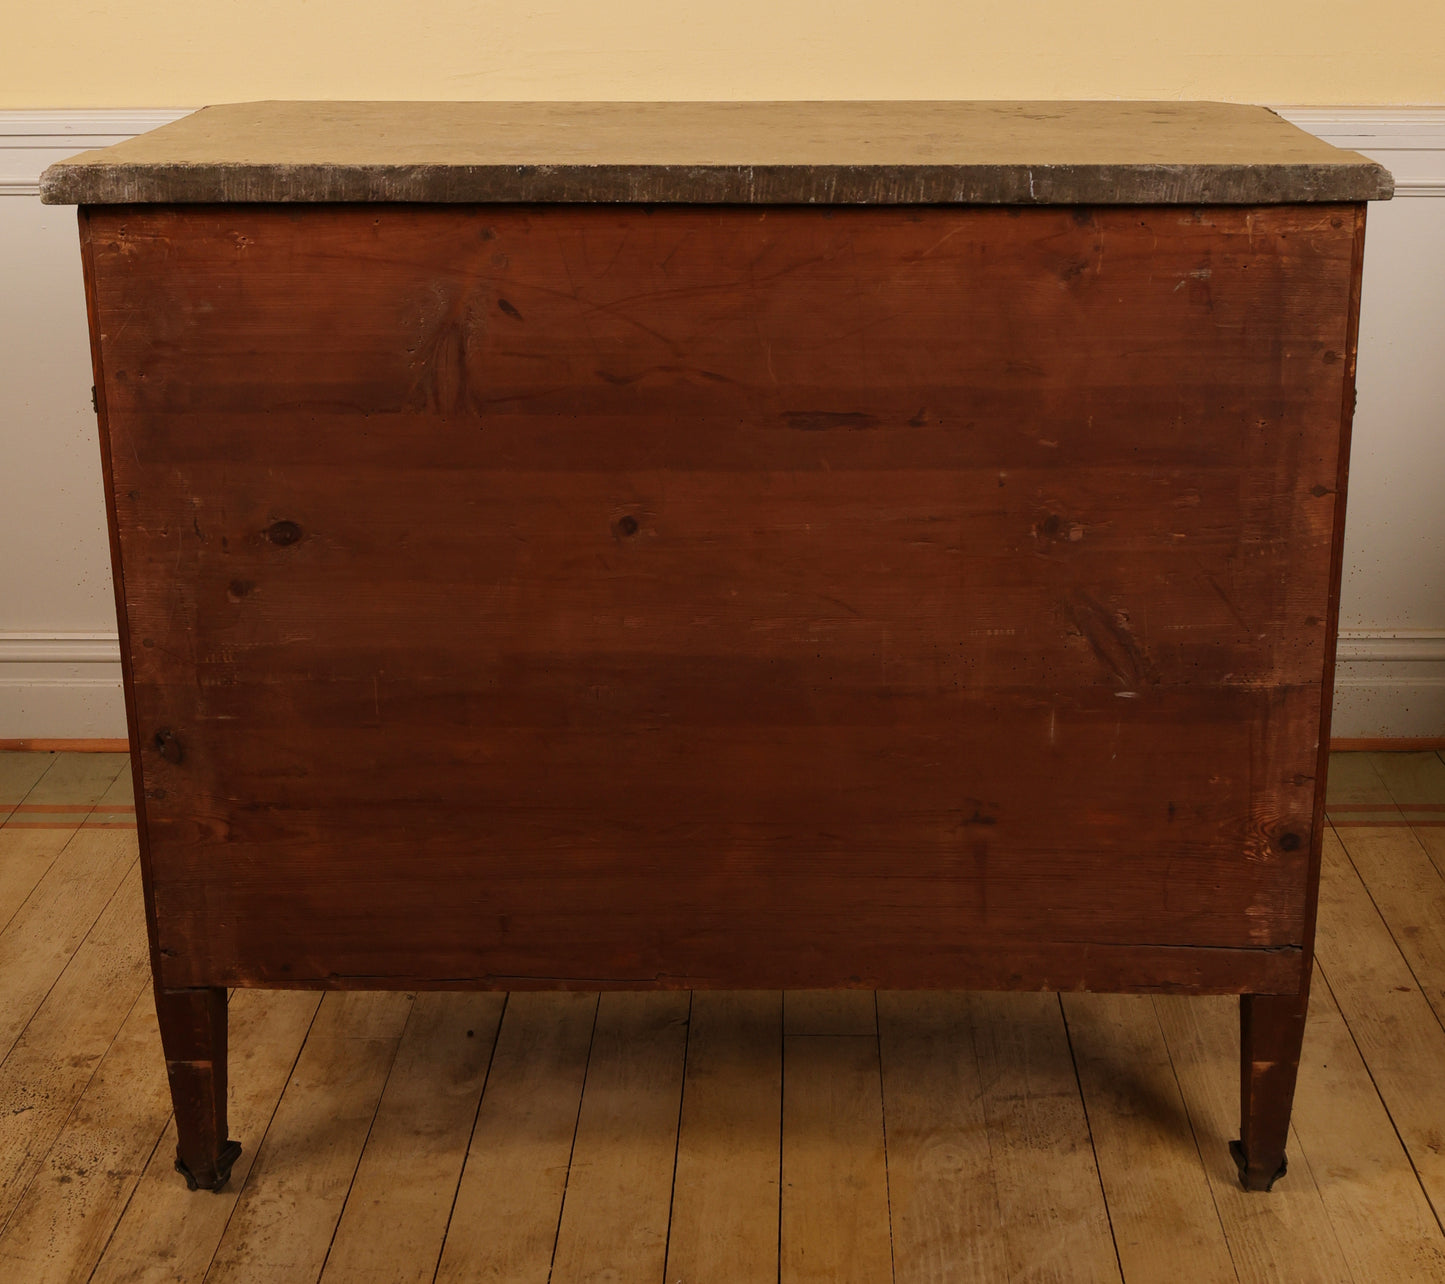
(25,797)
(1194,1133)
(1394,940)
(261,1140)
(677,1136)
(65,847)
(9,1217)
(883,1115)
(1089,1129)
(1384,1105)
(371,1123)
(59,976)
(1429,855)
(572,1150)
(472,1132)
(135,1186)
(782,1113)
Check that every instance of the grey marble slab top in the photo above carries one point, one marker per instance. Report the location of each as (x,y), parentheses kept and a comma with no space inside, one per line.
(847,153)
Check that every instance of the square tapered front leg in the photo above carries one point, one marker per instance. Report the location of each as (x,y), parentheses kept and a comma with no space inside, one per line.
(1271,1033)
(193,1033)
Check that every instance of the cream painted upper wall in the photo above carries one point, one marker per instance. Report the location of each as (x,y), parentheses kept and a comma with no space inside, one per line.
(156,53)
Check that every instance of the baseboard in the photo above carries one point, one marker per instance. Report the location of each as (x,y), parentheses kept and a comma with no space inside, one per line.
(1387,744)
(65,746)
(65,687)
(1390,685)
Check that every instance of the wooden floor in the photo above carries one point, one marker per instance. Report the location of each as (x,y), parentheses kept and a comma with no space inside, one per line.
(716,1137)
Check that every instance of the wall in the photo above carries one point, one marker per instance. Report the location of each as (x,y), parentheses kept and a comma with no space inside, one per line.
(59,671)
(1390,679)
(59,660)
(77,53)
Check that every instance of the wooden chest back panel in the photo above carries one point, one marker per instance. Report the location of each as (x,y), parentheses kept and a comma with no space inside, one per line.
(722,596)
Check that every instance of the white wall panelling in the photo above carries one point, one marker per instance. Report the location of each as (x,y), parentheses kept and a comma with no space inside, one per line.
(1390,679)
(59,658)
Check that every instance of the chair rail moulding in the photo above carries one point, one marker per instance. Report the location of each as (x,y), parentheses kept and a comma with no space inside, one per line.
(31,140)
(1409,141)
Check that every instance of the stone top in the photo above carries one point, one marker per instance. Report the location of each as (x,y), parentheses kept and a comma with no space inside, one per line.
(846,153)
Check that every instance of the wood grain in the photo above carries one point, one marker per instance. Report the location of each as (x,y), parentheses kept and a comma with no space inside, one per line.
(835,1213)
(835,1012)
(18,775)
(944,1211)
(1161,1212)
(659,533)
(1411,777)
(1287,1236)
(76,785)
(166,1235)
(1381,1217)
(287,1213)
(67,779)
(1415,778)
(400,1200)
(1398,1034)
(503,1228)
(1362,1196)
(619,1185)
(725,1193)
(1056,1225)
(65,1218)
(1409,891)
(1354,782)
(52,1061)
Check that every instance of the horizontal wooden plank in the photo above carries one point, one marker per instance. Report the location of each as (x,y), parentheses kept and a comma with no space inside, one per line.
(1123,969)
(697,837)
(615,596)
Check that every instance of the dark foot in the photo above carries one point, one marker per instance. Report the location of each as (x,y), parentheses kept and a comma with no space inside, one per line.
(1254,1180)
(220,1172)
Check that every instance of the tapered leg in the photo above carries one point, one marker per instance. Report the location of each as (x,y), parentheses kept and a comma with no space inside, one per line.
(1271,1032)
(193,1034)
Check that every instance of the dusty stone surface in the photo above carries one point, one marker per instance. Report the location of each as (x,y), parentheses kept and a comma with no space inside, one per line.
(1009,153)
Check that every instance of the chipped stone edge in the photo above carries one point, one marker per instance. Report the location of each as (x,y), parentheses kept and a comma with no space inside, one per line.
(72,183)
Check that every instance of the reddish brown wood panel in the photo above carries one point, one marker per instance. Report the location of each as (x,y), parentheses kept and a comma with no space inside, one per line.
(712,596)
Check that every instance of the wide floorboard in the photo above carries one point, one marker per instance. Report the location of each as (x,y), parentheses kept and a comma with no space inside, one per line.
(728,1137)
